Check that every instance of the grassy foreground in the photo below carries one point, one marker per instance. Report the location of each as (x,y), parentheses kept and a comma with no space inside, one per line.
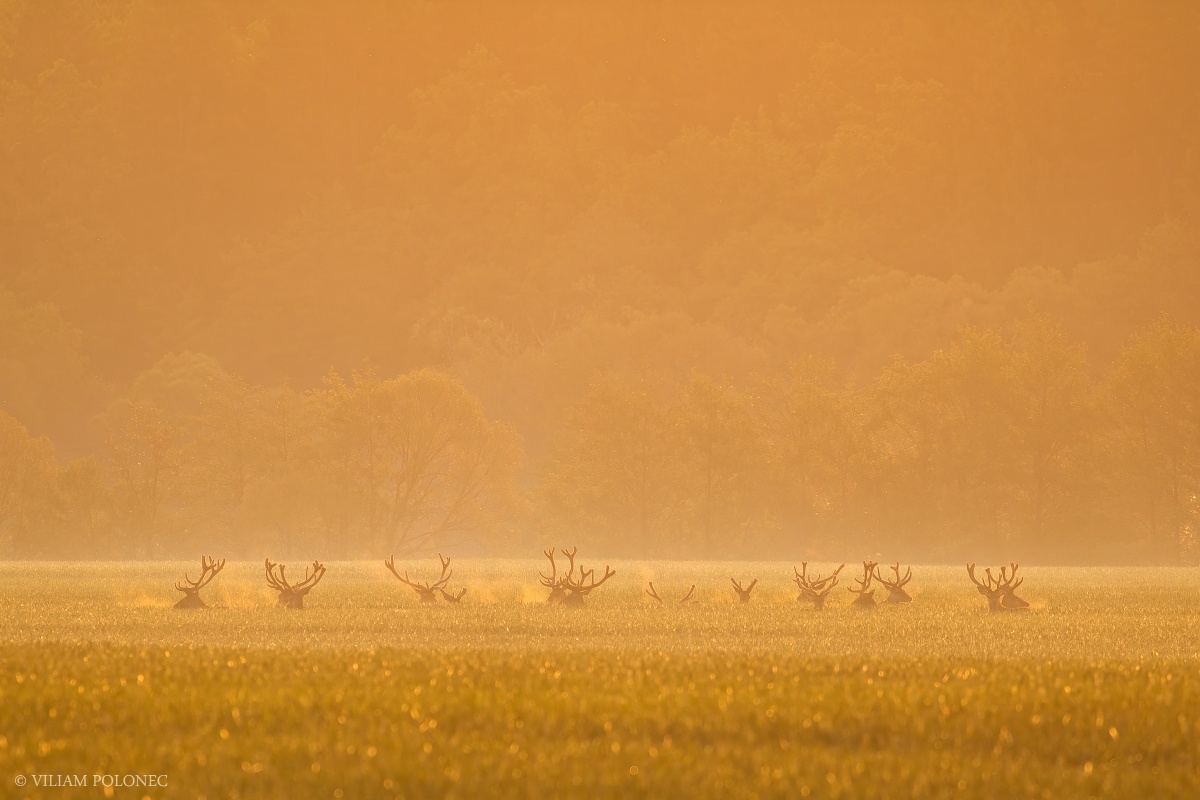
(1096,693)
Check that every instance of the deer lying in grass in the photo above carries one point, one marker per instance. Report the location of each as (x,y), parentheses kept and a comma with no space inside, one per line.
(293,596)
(209,567)
(866,595)
(743,592)
(999,591)
(815,588)
(895,587)
(427,592)
(570,589)
(687,598)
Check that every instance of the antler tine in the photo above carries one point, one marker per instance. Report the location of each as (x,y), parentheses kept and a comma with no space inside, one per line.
(653,593)
(688,596)
(971,575)
(736,585)
(753,583)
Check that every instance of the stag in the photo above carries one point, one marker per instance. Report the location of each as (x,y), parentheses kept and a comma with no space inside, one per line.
(743,592)
(1000,591)
(866,595)
(293,596)
(685,599)
(815,588)
(570,589)
(895,586)
(209,567)
(427,592)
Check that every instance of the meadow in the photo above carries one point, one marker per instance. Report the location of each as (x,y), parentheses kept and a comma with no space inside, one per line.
(1095,692)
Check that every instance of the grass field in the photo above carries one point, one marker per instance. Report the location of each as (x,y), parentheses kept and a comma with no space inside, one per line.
(364,694)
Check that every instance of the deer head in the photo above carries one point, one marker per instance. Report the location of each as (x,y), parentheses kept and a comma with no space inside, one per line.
(999,591)
(896,584)
(293,596)
(866,595)
(427,592)
(569,589)
(743,592)
(815,588)
(209,567)
(685,599)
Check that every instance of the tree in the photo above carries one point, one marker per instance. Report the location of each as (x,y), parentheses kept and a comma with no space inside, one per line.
(412,463)
(615,475)
(724,466)
(1153,397)
(26,473)
(143,462)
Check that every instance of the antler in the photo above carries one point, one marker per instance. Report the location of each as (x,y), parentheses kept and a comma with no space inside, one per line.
(312,577)
(866,595)
(391,565)
(425,591)
(446,573)
(864,583)
(453,598)
(586,581)
(651,591)
(815,583)
(899,582)
(971,574)
(277,582)
(550,581)
(209,567)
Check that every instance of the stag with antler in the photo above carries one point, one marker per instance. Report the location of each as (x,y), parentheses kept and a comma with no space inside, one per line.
(687,598)
(209,567)
(293,596)
(427,592)
(569,589)
(1000,591)
(815,588)
(743,592)
(866,595)
(895,585)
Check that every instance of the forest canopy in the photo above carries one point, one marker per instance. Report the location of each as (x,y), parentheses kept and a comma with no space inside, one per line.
(682,279)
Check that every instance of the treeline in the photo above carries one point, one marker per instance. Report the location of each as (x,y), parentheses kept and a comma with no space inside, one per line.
(534,196)
(993,448)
